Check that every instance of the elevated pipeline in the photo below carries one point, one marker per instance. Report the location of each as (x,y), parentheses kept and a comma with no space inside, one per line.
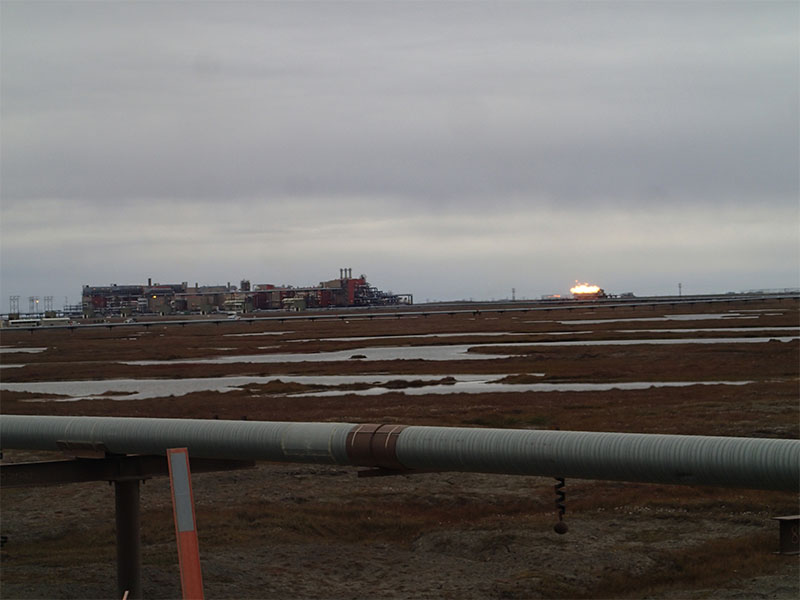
(756,463)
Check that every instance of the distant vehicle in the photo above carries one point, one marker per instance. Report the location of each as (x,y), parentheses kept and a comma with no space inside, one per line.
(233,317)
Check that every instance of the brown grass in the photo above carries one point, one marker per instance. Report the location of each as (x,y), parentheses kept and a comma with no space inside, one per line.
(625,540)
(707,565)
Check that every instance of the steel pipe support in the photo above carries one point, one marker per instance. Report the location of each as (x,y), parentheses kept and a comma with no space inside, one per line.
(129,546)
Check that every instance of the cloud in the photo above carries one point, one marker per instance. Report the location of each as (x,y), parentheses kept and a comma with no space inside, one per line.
(460,255)
(577,102)
(422,139)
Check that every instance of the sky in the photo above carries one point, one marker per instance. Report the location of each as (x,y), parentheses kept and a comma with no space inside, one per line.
(450,150)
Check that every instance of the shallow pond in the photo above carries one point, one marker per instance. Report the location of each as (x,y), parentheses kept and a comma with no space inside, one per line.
(138,389)
(13,350)
(692,317)
(438,353)
(445,352)
(482,387)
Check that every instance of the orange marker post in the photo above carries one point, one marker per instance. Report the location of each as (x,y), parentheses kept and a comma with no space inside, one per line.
(185,528)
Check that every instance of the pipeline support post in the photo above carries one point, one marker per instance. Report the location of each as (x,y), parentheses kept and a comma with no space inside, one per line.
(125,472)
(129,550)
(789,534)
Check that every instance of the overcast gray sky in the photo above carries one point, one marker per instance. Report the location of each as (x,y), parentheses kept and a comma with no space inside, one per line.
(445,149)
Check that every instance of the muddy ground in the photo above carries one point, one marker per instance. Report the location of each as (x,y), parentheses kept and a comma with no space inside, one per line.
(298,531)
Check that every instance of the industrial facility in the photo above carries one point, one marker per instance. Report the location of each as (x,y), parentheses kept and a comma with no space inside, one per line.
(181,298)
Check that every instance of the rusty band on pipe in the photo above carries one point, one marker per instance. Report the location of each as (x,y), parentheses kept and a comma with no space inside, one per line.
(373,445)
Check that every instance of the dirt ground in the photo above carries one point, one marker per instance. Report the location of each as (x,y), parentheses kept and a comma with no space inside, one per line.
(309,531)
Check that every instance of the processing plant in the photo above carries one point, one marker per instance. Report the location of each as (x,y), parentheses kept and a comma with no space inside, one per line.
(181,298)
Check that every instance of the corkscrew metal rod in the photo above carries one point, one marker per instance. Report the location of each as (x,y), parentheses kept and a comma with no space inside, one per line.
(561,506)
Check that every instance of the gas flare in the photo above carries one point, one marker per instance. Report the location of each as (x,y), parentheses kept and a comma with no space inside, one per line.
(584,288)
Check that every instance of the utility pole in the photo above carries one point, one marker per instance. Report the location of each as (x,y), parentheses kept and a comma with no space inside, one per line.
(680,285)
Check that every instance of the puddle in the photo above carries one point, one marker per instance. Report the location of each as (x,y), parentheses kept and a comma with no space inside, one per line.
(438,353)
(411,335)
(729,340)
(449,352)
(138,389)
(257,334)
(707,329)
(482,387)
(693,317)
(13,350)
(438,335)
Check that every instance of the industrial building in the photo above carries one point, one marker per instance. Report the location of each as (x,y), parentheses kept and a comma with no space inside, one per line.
(181,298)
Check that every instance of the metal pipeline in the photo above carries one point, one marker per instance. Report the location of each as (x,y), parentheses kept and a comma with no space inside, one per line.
(755,463)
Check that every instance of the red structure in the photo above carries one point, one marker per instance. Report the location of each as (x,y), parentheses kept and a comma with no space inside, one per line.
(182,298)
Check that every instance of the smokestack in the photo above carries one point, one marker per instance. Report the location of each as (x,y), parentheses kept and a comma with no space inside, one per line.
(149,282)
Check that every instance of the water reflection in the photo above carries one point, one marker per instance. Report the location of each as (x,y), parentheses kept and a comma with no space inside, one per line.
(365,338)
(12,350)
(482,387)
(139,389)
(444,352)
(707,329)
(692,317)
(728,340)
(443,335)
(257,333)
(440,353)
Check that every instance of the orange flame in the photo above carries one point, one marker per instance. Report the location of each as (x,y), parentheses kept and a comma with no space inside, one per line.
(584,288)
